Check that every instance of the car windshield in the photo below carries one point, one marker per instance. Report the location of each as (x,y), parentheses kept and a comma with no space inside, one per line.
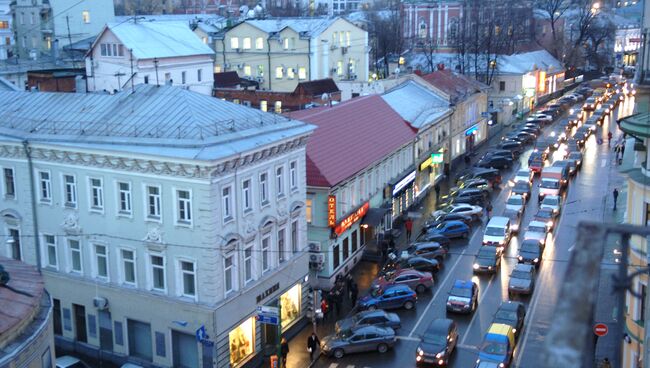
(515,200)
(529,248)
(521,187)
(520,275)
(494,231)
(552,184)
(441,226)
(550,201)
(375,292)
(537,229)
(506,315)
(544,214)
(494,348)
(435,338)
(536,163)
(462,292)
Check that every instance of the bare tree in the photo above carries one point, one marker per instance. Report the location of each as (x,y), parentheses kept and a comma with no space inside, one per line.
(601,31)
(385,33)
(582,16)
(554,11)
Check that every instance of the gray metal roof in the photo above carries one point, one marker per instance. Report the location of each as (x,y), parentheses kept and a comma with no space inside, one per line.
(416,104)
(187,124)
(309,26)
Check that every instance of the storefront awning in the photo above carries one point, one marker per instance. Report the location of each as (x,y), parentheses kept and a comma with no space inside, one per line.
(374,216)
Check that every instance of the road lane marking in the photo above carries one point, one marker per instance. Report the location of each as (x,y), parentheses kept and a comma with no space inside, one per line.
(407,338)
(480,302)
(468,347)
(603,163)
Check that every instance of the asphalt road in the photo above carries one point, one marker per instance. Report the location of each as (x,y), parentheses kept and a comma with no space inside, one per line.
(585,199)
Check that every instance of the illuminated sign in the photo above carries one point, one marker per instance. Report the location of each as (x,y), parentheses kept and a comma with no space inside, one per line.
(471,130)
(331,211)
(351,219)
(530,92)
(404,182)
(437,158)
(541,82)
(529,82)
(426,163)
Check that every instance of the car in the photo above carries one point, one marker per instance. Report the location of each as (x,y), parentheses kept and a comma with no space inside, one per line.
(537,230)
(452,229)
(379,318)
(510,146)
(546,216)
(463,209)
(577,157)
(540,116)
(610,106)
(536,165)
(543,145)
(565,163)
(553,202)
(573,146)
(515,219)
(437,343)
(551,111)
(463,297)
(590,104)
(516,202)
(357,340)
(488,259)
(522,280)
(409,261)
(530,252)
(522,188)
(512,314)
(573,165)
(522,175)
(428,250)
(497,162)
(426,237)
(467,195)
(396,296)
(497,348)
(416,280)
(68,361)
(481,184)
(447,217)
(501,153)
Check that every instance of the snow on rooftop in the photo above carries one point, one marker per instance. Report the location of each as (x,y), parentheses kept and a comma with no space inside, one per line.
(311,26)
(416,104)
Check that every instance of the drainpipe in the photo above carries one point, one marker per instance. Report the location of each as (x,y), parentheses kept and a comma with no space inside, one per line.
(223,52)
(268,55)
(30,167)
(309,56)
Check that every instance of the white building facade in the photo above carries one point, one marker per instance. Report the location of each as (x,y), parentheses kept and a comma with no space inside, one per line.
(149,237)
(6,31)
(129,53)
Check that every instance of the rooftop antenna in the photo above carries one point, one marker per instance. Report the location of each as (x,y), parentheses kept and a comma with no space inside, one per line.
(155,63)
(131,57)
(74,62)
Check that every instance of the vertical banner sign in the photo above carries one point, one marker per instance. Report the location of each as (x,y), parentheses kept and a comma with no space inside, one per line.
(331,211)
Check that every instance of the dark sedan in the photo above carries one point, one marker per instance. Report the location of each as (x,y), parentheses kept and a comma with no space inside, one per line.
(530,252)
(522,188)
(512,314)
(428,236)
(438,343)
(417,263)
(447,217)
(487,260)
(497,162)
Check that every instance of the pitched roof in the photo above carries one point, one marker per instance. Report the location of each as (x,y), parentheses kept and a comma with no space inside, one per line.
(310,26)
(18,309)
(416,104)
(318,87)
(187,124)
(226,79)
(5,85)
(350,137)
(457,86)
(525,62)
(150,40)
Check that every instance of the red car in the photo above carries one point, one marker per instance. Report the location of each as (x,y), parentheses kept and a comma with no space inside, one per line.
(536,166)
(416,280)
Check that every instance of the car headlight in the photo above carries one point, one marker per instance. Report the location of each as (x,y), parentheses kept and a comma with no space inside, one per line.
(439,355)
(501,365)
(441,362)
(420,351)
(520,258)
(514,330)
(489,267)
(476,266)
(549,224)
(501,242)
(536,260)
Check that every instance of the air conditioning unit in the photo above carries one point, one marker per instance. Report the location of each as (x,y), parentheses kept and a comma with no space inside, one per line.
(318,258)
(314,247)
(344,50)
(353,76)
(100,303)
(238,50)
(333,47)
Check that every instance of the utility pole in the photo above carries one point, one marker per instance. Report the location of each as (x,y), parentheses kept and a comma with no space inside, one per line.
(132,75)
(67,21)
(119,81)
(280,333)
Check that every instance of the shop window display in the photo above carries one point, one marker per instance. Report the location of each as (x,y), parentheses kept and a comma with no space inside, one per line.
(242,341)
(290,305)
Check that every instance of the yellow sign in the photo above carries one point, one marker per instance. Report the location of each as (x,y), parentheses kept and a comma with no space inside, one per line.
(426,163)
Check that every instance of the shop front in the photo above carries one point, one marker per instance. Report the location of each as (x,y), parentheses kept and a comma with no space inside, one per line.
(242,342)
(403,193)
(429,172)
(474,135)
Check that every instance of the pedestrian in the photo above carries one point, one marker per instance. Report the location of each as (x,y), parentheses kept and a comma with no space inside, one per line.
(622,149)
(337,302)
(284,350)
(605,363)
(615,194)
(468,160)
(609,139)
(313,343)
(408,224)
(488,210)
(324,307)
(437,189)
(354,292)
(348,283)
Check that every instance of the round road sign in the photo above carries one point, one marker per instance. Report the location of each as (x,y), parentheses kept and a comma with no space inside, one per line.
(600,329)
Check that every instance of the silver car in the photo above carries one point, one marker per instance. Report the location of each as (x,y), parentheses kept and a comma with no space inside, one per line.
(536,230)
(553,202)
(516,202)
(358,340)
(522,279)
(379,318)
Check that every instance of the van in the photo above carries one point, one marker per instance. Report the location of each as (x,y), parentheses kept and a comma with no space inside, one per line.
(497,232)
(498,345)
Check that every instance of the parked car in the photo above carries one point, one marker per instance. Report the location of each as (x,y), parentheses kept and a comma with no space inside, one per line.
(516,202)
(537,231)
(438,343)
(408,261)
(452,229)
(467,195)
(463,297)
(497,162)
(510,146)
(522,188)
(68,361)
(522,280)
(426,237)
(396,296)
(522,175)
(463,209)
(429,250)
(482,184)
(577,157)
(553,202)
(416,280)
(530,252)
(358,340)
(379,318)
(546,216)
(512,314)
(447,217)
(488,259)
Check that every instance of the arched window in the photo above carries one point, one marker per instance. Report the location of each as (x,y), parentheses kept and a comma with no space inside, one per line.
(422,31)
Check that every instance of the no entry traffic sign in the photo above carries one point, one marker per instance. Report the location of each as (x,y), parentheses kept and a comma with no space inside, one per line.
(600,329)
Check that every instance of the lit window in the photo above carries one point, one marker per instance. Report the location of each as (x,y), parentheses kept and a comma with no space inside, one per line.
(157,272)
(184,210)
(279,181)
(339,68)
(308,209)
(264,188)
(294,236)
(341,35)
(302,73)
(263,105)
(101,259)
(45,186)
(188,278)
(347,39)
(85,15)
(199,75)
(335,36)
(218,69)
(183,77)
(246,43)
(153,202)
(10,186)
(234,42)
(241,341)
(124,198)
(128,267)
(278,107)
(260,70)
(279,72)
(286,43)
(266,264)
(291,73)
(75,255)
(226,203)
(50,250)
(48,42)
(259,43)
(70,191)
(96,194)
(246,195)
(247,70)
(228,272)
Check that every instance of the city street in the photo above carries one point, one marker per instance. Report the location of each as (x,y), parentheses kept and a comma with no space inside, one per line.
(588,197)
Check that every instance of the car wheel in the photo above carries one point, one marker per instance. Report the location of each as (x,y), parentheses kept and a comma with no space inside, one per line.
(382,348)
(420,289)
(409,305)
(372,307)
(338,353)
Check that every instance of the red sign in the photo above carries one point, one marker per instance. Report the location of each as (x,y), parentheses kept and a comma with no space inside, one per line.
(634,40)
(600,329)
(354,217)
(331,211)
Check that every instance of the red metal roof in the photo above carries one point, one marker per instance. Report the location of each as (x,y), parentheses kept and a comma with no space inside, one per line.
(457,86)
(18,310)
(350,137)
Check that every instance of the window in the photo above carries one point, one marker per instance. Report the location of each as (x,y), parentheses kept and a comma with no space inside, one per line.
(291,73)
(302,73)
(183,77)
(124,198)
(45,186)
(184,209)
(247,70)
(643,291)
(157,272)
(13,242)
(354,241)
(10,187)
(246,195)
(281,247)
(346,248)
(308,210)
(286,43)
(502,86)
(24,41)
(266,264)
(96,194)
(234,42)
(248,264)
(341,35)
(348,40)
(85,15)
(188,276)
(146,79)
(259,43)
(22,18)
(647,214)
(32,18)
(279,181)
(50,250)
(339,68)
(335,37)
(264,105)
(294,236)
(246,43)
(128,267)
(199,75)
(278,107)
(279,72)
(101,259)
(139,339)
(153,203)
(293,174)
(70,191)
(4,24)
(226,202)
(264,188)
(336,256)
(228,272)
(75,255)
(260,70)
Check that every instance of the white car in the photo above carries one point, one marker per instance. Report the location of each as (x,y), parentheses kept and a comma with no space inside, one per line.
(522,175)
(68,361)
(461,208)
(553,202)
(539,116)
(536,230)
(516,202)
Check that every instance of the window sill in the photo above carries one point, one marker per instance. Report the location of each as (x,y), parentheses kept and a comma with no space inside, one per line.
(97,210)
(153,219)
(10,197)
(228,220)
(46,202)
(265,204)
(184,224)
(72,206)
(158,291)
(247,211)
